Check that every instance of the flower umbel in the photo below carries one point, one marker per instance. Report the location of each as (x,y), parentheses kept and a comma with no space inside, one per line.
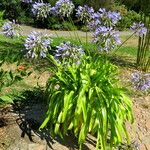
(141,81)
(27,1)
(37,44)
(69,53)
(41,10)
(103,18)
(106,38)
(139,28)
(10,29)
(84,13)
(63,8)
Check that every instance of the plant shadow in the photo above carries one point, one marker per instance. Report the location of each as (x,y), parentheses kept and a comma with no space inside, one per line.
(31,109)
(122,61)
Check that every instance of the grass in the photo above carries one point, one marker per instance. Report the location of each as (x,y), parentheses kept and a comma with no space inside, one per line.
(10,48)
(10,51)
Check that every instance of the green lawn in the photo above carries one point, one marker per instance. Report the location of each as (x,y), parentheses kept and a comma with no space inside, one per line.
(11,52)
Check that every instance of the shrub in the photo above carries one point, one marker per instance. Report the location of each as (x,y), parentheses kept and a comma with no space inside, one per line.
(68,26)
(128,17)
(12,9)
(87,98)
(1,18)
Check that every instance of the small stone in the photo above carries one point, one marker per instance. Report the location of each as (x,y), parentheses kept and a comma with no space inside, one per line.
(148,124)
(147,146)
(36,147)
(143,147)
(140,136)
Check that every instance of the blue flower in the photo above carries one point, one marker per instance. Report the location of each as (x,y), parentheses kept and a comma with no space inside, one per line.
(84,13)
(106,38)
(139,28)
(141,81)
(69,53)
(27,1)
(103,18)
(37,44)
(63,8)
(41,10)
(10,29)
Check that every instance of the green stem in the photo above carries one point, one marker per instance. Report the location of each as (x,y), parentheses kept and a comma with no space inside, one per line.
(124,41)
(75,33)
(68,30)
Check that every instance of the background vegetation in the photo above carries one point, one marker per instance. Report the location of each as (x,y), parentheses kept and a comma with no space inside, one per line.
(21,13)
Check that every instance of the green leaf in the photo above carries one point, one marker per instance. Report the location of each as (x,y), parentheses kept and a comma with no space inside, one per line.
(6,99)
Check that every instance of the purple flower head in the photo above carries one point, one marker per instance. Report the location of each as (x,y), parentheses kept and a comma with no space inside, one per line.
(10,29)
(84,13)
(114,16)
(41,10)
(106,38)
(103,18)
(108,18)
(27,1)
(37,44)
(69,53)
(63,8)
(141,81)
(139,28)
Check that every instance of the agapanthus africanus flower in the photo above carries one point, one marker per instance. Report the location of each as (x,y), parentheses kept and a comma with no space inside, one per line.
(141,81)
(41,10)
(106,38)
(27,1)
(69,53)
(139,28)
(103,18)
(84,13)
(10,29)
(63,8)
(37,44)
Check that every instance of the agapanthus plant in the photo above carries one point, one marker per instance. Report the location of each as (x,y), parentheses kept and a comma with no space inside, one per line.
(106,38)
(37,44)
(41,10)
(84,13)
(69,53)
(63,8)
(141,81)
(10,29)
(87,98)
(143,31)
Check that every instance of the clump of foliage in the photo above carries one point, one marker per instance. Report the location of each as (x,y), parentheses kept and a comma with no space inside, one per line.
(128,16)
(1,18)
(87,98)
(9,77)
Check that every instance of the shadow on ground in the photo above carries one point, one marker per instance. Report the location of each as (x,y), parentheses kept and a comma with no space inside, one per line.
(28,112)
(31,109)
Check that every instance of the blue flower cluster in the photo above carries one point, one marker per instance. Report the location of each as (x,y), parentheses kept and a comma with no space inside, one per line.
(141,81)
(63,8)
(10,29)
(103,24)
(139,28)
(41,10)
(37,44)
(84,13)
(27,1)
(68,52)
(106,38)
